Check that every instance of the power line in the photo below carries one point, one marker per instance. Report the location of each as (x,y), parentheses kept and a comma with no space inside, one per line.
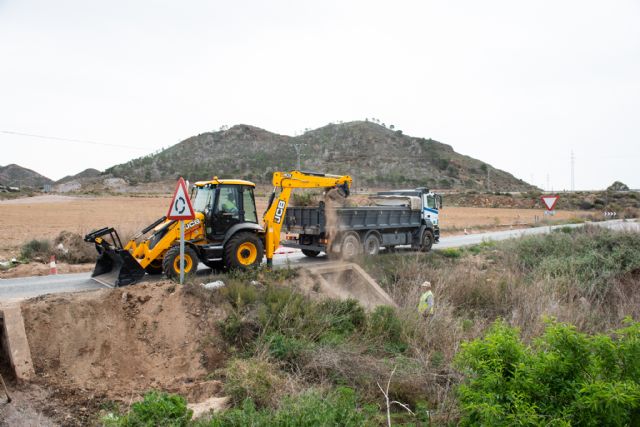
(79,141)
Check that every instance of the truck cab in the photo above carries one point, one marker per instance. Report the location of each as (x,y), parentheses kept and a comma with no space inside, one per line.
(431,205)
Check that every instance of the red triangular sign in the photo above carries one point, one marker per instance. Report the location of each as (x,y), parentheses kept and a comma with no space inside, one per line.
(550,201)
(180,203)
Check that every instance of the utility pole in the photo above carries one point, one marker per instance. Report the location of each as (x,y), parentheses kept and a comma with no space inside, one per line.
(548,186)
(298,147)
(488,179)
(573,161)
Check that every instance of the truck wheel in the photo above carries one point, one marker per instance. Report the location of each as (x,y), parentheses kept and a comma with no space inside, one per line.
(372,244)
(155,267)
(310,253)
(243,250)
(427,241)
(351,246)
(171,262)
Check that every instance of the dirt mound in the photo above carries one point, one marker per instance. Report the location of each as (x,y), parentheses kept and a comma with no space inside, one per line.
(121,342)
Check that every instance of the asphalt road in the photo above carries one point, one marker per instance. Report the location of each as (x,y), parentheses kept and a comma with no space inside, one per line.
(29,287)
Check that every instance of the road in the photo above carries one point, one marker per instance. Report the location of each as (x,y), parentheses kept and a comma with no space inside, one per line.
(29,287)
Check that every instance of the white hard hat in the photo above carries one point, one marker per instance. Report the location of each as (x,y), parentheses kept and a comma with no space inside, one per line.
(426,284)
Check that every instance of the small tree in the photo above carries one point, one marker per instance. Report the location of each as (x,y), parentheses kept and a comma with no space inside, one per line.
(618,186)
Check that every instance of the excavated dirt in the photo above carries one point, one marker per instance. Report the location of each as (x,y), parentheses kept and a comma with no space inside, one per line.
(116,344)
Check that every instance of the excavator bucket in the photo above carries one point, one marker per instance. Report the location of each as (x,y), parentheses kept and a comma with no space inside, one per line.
(115,266)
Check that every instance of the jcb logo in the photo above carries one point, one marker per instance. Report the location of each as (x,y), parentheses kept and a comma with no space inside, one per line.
(192,224)
(279,211)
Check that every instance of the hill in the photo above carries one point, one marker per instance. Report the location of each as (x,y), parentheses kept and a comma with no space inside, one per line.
(87,173)
(17,176)
(372,154)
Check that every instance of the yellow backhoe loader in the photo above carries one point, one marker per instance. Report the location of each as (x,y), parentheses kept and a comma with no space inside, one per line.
(224,233)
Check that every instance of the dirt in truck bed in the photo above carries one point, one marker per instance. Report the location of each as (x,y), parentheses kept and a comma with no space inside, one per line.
(95,347)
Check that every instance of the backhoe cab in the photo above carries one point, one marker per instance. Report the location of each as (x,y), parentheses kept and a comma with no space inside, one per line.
(225,232)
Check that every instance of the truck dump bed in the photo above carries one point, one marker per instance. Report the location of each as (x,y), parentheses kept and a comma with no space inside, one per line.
(313,220)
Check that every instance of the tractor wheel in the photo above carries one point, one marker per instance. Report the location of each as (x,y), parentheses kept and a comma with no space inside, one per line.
(243,250)
(310,253)
(154,268)
(350,246)
(171,262)
(427,241)
(372,244)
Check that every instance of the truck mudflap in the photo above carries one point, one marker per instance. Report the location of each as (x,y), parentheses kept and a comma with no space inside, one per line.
(115,266)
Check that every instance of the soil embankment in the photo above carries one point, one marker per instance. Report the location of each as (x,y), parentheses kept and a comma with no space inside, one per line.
(120,342)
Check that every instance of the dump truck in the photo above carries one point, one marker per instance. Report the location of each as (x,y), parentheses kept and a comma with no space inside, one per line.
(225,232)
(397,217)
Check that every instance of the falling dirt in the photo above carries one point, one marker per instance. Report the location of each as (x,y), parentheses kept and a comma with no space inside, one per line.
(332,200)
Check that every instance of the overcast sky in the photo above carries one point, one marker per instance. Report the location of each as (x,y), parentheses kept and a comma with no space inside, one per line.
(516,84)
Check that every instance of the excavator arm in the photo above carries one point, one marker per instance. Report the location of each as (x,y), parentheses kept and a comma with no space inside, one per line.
(277,208)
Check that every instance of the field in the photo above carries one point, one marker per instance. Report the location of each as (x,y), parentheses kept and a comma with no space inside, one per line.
(46,216)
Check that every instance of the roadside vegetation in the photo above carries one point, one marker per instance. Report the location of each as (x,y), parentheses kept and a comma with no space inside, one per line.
(537,331)
(67,246)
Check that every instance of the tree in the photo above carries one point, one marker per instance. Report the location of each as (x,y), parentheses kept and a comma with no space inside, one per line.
(618,186)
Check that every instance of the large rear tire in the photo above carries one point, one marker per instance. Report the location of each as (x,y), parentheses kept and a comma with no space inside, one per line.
(171,262)
(244,250)
(372,244)
(427,241)
(350,247)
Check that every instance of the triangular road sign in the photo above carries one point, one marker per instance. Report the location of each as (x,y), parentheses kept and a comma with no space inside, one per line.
(550,201)
(181,204)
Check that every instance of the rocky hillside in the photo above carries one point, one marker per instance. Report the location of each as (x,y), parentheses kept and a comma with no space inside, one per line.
(17,176)
(87,173)
(371,153)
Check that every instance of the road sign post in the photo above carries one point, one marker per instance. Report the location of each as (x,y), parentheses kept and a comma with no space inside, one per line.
(179,210)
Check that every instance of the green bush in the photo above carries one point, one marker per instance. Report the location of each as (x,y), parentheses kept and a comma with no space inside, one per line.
(592,257)
(252,378)
(453,253)
(564,378)
(385,327)
(337,408)
(157,409)
(286,349)
(35,248)
(341,317)
(240,294)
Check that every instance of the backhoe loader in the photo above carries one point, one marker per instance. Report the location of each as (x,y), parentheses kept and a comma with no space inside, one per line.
(225,232)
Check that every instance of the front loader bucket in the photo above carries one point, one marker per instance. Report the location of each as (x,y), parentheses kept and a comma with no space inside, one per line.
(117,267)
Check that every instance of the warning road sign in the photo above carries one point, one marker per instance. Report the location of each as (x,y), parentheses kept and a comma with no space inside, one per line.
(550,201)
(181,204)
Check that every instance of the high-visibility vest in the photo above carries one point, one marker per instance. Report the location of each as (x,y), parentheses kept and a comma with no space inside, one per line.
(426,303)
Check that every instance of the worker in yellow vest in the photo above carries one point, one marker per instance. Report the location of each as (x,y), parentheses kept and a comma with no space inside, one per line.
(425,307)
